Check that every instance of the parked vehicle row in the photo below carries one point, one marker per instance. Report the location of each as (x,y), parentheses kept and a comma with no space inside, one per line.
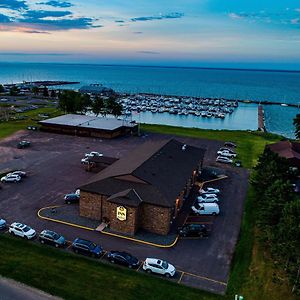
(89,248)
(226,153)
(206,209)
(15,176)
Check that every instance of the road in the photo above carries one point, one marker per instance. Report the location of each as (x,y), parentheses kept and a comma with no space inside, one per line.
(12,290)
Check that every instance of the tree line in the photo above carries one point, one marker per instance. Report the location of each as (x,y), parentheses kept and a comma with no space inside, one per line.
(278,212)
(74,102)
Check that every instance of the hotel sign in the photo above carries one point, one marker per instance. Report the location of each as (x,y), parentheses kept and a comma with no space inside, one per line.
(121,213)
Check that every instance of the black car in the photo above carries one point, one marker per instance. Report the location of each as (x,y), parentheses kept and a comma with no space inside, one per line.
(23,144)
(32,127)
(86,247)
(52,238)
(230,144)
(123,258)
(198,230)
(71,198)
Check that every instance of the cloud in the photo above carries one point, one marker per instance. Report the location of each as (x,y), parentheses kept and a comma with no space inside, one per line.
(13,4)
(297,9)
(175,15)
(39,14)
(137,32)
(32,53)
(62,4)
(4,19)
(148,52)
(295,21)
(235,16)
(119,21)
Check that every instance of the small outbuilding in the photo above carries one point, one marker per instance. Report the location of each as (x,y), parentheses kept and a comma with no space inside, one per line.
(145,189)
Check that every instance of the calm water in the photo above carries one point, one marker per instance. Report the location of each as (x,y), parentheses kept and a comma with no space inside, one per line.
(231,84)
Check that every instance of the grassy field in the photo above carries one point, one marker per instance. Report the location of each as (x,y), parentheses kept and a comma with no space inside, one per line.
(75,277)
(253,273)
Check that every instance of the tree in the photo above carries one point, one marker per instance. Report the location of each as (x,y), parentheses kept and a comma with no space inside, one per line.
(13,91)
(98,106)
(1,88)
(73,102)
(35,90)
(296,123)
(45,92)
(53,94)
(113,107)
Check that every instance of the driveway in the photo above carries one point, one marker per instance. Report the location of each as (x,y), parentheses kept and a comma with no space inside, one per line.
(54,169)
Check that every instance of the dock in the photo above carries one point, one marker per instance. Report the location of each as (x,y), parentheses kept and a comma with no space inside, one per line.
(261,118)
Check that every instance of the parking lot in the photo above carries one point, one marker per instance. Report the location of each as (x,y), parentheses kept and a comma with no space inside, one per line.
(54,169)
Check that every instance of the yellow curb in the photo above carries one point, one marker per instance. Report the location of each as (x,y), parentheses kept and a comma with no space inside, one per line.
(61,222)
(107,233)
(205,278)
(140,241)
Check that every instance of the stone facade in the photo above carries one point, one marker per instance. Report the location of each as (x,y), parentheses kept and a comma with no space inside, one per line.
(152,218)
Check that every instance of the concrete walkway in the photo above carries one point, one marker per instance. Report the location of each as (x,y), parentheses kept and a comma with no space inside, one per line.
(12,290)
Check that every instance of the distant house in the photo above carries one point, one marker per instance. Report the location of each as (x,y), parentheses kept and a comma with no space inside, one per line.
(145,189)
(96,89)
(288,150)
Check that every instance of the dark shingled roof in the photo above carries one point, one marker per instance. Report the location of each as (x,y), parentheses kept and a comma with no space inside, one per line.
(164,166)
(127,197)
(286,149)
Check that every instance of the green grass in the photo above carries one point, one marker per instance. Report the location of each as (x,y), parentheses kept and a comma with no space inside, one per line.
(8,128)
(250,144)
(75,277)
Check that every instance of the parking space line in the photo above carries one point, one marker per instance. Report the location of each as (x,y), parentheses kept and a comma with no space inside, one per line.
(204,278)
(179,280)
(142,262)
(70,244)
(103,254)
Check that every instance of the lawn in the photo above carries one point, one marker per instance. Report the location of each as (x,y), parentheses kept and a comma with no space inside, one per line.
(75,277)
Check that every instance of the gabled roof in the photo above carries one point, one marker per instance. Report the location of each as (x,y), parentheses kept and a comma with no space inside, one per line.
(286,149)
(163,168)
(127,197)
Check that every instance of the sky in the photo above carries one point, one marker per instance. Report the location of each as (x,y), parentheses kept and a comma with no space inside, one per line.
(193,33)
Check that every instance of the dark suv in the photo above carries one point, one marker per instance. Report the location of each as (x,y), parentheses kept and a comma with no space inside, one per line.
(123,258)
(198,230)
(23,144)
(86,247)
(71,198)
(52,238)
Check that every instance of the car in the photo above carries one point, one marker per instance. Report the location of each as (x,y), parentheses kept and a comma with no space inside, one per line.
(198,230)
(22,174)
(11,178)
(86,247)
(224,160)
(77,192)
(71,198)
(52,238)
(226,153)
(206,209)
(22,230)
(23,144)
(230,144)
(93,153)
(32,127)
(159,266)
(2,224)
(209,190)
(227,149)
(123,258)
(208,198)
(85,160)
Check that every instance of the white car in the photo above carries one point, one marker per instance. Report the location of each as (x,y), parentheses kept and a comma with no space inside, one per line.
(208,198)
(159,266)
(93,153)
(206,209)
(85,160)
(20,173)
(209,190)
(22,230)
(224,160)
(226,153)
(11,178)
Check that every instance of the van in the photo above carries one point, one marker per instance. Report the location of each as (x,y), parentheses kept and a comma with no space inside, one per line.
(206,209)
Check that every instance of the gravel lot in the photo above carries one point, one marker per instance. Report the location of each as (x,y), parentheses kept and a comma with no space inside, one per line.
(54,169)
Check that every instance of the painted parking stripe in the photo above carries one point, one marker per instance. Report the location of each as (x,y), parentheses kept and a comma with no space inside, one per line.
(205,278)
(179,280)
(142,262)
(104,253)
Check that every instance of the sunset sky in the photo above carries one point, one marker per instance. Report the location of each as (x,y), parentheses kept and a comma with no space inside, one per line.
(213,33)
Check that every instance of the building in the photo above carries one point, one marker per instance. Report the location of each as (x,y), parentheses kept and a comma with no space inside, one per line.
(288,150)
(96,89)
(84,125)
(144,190)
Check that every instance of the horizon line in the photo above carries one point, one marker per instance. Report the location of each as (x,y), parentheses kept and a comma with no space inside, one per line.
(159,66)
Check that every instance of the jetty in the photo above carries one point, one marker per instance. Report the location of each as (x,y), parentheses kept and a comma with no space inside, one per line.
(261,118)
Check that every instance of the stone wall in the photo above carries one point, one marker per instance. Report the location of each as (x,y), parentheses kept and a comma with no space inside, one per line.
(91,205)
(155,219)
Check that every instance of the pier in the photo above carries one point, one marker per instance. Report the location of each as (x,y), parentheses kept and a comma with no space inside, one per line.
(261,118)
